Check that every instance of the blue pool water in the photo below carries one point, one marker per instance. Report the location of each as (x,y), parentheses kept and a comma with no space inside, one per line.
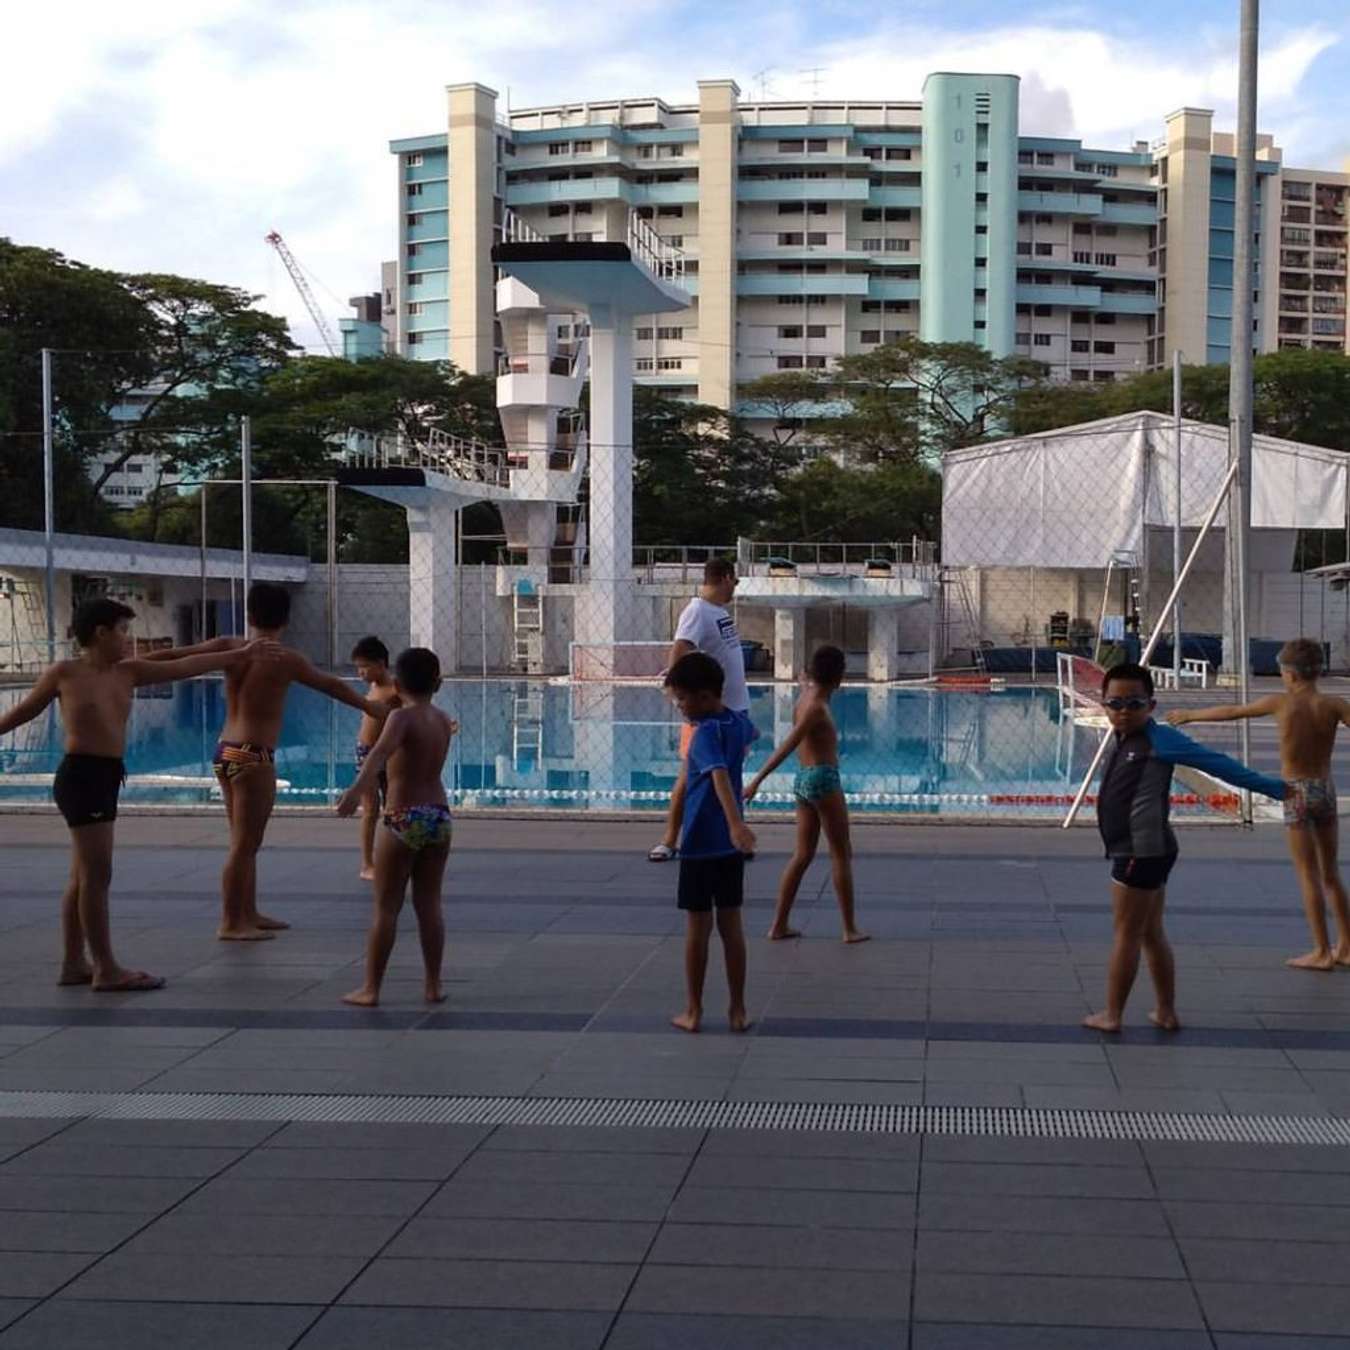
(543,744)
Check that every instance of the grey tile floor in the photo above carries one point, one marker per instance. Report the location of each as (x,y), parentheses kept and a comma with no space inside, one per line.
(564,963)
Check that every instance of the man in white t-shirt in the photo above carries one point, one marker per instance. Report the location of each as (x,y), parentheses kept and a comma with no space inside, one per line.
(706,626)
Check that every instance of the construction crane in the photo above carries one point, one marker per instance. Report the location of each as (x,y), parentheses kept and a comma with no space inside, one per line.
(307,295)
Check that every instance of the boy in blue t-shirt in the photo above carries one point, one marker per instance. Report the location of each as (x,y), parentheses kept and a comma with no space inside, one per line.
(715,839)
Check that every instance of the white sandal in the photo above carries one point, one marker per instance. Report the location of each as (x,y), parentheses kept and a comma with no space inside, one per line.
(662,853)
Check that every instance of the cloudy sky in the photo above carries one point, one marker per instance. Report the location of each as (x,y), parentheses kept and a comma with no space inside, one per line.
(171,135)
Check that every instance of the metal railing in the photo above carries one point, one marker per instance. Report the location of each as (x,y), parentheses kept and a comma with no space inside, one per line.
(441,452)
(877,559)
(516,231)
(656,254)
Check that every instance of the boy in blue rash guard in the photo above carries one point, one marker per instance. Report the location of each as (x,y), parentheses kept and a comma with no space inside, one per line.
(1132,815)
(715,839)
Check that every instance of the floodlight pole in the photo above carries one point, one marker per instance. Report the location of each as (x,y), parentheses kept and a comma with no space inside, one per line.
(1240,364)
(1176,522)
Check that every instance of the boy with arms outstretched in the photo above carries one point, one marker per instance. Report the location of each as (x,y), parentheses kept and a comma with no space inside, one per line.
(415,842)
(715,839)
(1133,804)
(1308,721)
(371,658)
(818,793)
(95,691)
(245,758)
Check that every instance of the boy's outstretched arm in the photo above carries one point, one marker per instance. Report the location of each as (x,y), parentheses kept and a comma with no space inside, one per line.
(145,671)
(33,702)
(308,674)
(1226,712)
(790,743)
(391,737)
(741,834)
(1172,746)
(220,644)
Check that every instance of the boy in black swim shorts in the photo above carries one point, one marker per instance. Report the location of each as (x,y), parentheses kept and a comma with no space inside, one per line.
(95,692)
(715,839)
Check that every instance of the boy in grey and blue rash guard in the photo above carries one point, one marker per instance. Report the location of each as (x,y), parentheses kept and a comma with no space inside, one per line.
(1133,801)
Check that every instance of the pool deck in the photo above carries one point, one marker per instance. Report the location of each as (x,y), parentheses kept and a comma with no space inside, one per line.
(173,1196)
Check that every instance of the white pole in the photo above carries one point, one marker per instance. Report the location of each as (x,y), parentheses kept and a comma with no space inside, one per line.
(48,504)
(332,577)
(1153,639)
(1176,506)
(246,487)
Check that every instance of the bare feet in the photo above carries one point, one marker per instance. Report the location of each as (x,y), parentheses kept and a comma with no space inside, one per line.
(243,935)
(269,924)
(779,934)
(1343,956)
(1165,1019)
(1102,1021)
(433,993)
(737,1020)
(363,998)
(687,1021)
(129,982)
(853,935)
(1315,960)
(367,873)
(80,974)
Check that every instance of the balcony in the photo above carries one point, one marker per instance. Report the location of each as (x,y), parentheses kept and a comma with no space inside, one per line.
(887,288)
(895,196)
(803,189)
(1061,203)
(663,194)
(1329,262)
(542,381)
(1124,302)
(1130,213)
(573,190)
(1079,296)
(815,283)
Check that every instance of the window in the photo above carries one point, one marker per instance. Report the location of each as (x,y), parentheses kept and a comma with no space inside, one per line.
(414,306)
(582,208)
(674,152)
(871,307)
(898,213)
(582,148)
(870,335)
(790,208)
(645,151)
(981,166)
(790,237)
(1042,340)
(897,246)
(790,363)
(676,211)
(670,334)
(412,250)
(1079,375)
(558,209)
(870,245)
(816,330)
(643,363)
(791,299)
(414,189)
(1080,345)
(1022,340)
(981,262)
(898,152)
(1081,316)
(557,147)
(896,306)
(1103,376)
(1043,311)
(642,334)
(1043,219)
(815,267)
(1045,250)
(670,363)
(1105,259)
(815,363)
(674,240)
(820,148)
(134,467)
(1107,231)
(557,238)
(871,213)
(1080,256)
(1023,248)
(981,197)
(1106,348)
(982,229)
(1044,157)
(1025,157)
(817,238)
(1106,318)
(413,339)
(413,219)
(791,330)
(980,323)
(791,147)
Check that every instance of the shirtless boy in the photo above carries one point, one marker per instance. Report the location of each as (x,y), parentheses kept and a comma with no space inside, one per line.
(245,759)
(371,658)
(817,791)
(1308,721)
(415,842)
(95,692)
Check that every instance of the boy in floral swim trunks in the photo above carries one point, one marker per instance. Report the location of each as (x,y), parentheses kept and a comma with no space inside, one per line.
(1308,721)
(818,793)
(415,842)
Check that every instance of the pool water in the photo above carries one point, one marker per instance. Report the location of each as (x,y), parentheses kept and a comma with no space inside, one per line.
(555,745)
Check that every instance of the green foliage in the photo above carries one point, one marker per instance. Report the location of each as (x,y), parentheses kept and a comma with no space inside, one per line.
(826,502)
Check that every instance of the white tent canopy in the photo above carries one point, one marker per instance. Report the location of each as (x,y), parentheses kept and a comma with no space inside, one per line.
(1075,496)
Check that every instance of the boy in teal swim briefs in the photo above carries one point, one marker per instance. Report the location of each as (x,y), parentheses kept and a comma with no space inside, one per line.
(817,791)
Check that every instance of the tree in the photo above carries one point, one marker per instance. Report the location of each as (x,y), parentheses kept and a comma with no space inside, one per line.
(790,400)
(826,501)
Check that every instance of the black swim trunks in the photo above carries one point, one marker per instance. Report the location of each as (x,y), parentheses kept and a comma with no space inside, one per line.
(708,882)
(86,788)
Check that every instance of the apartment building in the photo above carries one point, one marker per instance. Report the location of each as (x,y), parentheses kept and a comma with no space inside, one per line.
(1299,246)
(803,224)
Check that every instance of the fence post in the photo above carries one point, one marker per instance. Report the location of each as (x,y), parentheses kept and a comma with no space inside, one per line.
(48,504)
(246,487)
(202,634)
(332,576)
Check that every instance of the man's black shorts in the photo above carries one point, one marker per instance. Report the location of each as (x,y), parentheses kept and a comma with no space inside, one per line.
(705,882)
(86,788)
(1143,874)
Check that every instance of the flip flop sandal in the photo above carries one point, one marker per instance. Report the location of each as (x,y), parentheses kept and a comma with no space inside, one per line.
(662,853)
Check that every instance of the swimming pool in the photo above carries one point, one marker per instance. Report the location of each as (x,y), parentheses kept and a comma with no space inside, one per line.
(552,745)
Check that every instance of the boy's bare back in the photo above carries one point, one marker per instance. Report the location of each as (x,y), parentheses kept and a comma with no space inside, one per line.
(416,766)
(255,696)
(820,737)
(1308,721)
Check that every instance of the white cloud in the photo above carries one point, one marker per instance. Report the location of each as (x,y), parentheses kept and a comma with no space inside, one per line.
(205,123)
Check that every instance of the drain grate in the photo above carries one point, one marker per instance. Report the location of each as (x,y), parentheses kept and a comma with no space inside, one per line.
(1023,1122)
